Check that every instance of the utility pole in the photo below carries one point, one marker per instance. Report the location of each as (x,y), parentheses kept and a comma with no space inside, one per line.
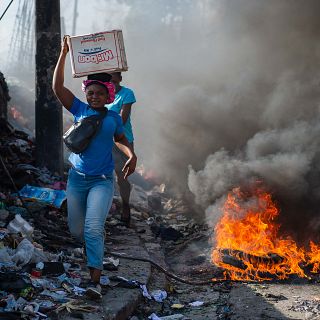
(75,16)
(4,97)
(49,148)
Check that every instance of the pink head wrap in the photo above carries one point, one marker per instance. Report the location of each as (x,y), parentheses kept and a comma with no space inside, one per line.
(109,85)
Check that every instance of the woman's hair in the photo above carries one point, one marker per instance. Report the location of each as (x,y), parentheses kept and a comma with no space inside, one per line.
(104,77)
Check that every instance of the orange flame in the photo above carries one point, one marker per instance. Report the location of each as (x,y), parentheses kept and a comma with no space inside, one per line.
(248,245)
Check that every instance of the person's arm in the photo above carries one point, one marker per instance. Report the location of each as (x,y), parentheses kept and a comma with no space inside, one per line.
(123,144)
(125,112)
(64,95)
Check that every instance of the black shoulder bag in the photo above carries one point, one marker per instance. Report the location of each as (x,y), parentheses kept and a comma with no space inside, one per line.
(81,133)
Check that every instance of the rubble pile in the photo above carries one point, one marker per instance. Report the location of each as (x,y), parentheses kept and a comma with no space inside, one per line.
(39,270)
(163,214)
(17,152)
(311,308)
(40,264)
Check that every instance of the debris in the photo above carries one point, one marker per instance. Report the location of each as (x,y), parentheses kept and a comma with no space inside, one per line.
(24,253)
(196,304)
(124,283)
(275,297)
(270,258)
(36,273)
(154,202)
(307,306)
(11,303)
(145,292)
(111,264)
(104,280)
(177,306)
(153,316)
(18,224)
(159,295)
(166,233)
(47,195)
(58,296)
(49,268)
(75,305)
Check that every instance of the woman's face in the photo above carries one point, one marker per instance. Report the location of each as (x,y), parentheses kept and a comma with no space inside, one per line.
(97,95)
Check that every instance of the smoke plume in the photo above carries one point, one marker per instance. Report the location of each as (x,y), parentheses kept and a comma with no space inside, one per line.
(260,114)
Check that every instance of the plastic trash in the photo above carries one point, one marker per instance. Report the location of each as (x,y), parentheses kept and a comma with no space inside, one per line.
(11,303)
(104,280)
(3,234)
(39,256)
(18,224)
(78,291)
(73,281)
(66,266)
(5,259)
(24,253)
(159,295)
(47,195)
(145,292)
(196,304)
(43,283)
(111,264)
(150,221)
(45,305)
(125,283)
(31,308)
(20,303)
(173,317)
(78,252)
(177,306)
(153,316)
(58,296)
(27,292)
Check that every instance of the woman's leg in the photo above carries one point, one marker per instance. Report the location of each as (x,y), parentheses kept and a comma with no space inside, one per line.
(77,204)
(99,201)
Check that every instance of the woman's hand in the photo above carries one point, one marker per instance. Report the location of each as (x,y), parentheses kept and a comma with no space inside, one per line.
(64,45)
(130,166)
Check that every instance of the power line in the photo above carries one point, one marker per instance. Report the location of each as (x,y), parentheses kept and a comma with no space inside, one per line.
(6,9)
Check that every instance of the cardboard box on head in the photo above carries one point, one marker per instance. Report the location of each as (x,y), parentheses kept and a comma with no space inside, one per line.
(97,53)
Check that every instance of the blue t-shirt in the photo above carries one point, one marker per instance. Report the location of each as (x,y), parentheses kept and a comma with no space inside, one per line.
(97,158)
(124,96)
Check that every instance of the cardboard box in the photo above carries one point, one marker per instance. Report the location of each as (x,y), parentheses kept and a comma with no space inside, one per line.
(98,52)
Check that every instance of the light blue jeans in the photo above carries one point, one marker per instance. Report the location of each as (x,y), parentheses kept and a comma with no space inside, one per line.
(89,200)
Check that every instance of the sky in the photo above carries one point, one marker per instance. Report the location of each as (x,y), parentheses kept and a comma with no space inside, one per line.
(227,92)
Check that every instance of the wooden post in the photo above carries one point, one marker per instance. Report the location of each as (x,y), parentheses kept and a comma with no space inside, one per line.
(4,97)
(49,148)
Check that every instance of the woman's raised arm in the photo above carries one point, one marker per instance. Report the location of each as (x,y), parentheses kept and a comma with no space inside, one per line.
(64,95)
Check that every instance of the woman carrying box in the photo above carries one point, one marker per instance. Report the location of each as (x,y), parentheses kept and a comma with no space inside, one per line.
(90,181)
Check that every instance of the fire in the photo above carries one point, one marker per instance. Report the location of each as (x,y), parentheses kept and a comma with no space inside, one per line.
(248,244)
